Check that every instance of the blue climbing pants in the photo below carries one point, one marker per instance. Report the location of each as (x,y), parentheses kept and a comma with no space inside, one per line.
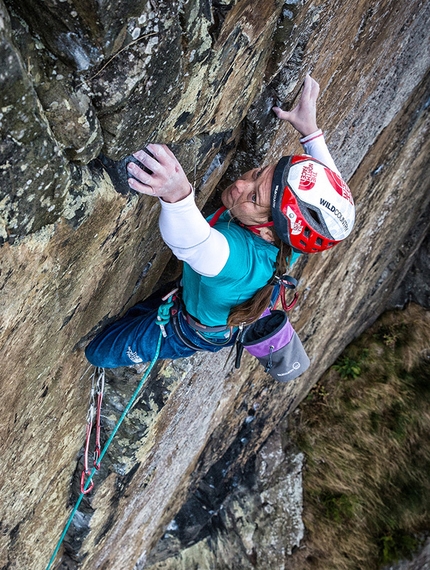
(134,338)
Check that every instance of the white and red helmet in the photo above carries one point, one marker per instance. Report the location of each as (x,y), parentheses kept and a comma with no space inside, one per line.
(312,207)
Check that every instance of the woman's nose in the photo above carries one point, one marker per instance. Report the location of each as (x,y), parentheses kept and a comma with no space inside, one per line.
(241,185)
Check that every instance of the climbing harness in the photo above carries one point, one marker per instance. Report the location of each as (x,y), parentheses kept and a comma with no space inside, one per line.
(179,314)
(97,388)
(200,329)
(180,317)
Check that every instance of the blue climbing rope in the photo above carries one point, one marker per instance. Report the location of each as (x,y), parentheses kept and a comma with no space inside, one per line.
(163,317)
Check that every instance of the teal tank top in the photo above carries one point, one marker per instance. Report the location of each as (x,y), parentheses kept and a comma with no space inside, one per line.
(250,266)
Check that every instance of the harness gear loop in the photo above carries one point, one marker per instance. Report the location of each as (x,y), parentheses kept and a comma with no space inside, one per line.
(293,302)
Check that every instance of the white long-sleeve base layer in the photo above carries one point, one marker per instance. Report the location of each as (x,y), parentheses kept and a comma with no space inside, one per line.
(191,238)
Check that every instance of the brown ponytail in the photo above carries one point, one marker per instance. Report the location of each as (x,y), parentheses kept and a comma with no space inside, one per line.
(249,311)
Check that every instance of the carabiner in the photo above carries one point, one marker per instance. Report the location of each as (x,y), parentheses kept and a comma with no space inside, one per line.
(97,446)
(86,473)
(291,305)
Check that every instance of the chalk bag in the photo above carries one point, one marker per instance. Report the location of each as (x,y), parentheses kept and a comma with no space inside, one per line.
(274,342)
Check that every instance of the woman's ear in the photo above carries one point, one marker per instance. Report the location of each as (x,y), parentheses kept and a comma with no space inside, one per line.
(267,235)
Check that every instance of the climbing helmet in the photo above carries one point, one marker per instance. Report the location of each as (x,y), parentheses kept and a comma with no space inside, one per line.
(312,207)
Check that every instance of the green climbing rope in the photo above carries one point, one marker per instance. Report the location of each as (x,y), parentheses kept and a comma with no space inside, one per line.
(163,317)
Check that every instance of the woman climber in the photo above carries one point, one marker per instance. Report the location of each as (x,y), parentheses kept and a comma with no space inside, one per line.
(270,215)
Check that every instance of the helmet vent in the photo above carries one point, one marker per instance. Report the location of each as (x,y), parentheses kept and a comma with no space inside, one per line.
(307,233)
(314,215)
(319,241)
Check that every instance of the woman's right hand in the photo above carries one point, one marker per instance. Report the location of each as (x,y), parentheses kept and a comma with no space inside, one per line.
(167,179)
(303,116)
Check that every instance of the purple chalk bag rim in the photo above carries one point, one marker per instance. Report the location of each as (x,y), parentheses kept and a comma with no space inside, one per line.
(279,337)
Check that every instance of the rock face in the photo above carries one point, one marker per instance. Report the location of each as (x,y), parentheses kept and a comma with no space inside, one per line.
(87,83)
(255,522)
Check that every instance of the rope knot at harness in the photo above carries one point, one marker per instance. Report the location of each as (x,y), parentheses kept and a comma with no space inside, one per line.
(163,315)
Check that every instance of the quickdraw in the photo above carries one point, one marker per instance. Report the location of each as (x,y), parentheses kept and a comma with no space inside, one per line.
(280,285)
(94,410)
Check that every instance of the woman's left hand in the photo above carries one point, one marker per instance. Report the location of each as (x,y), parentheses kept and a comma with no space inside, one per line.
(303,116)
(166,179)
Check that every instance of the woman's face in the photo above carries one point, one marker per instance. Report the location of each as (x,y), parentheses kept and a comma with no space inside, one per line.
(248,199)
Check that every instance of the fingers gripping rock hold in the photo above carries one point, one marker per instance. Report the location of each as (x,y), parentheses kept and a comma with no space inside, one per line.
(159,174)
(303,116)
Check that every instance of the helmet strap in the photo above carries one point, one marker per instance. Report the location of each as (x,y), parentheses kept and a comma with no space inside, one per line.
(256,229)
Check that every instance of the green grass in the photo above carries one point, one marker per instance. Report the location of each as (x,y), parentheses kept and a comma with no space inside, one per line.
(365,431)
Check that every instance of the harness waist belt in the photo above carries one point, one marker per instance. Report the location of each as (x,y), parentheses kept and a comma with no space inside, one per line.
(181,335)
(203,328)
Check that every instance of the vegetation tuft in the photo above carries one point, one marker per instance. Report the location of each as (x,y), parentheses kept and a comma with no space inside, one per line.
(365,430)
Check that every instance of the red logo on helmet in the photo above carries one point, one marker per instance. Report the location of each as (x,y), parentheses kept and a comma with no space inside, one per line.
(339,185)
(308,177)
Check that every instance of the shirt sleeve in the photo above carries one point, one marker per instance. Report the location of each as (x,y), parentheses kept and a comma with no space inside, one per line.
(191,238)
(315,145)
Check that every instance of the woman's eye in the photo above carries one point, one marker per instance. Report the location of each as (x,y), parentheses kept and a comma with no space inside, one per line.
(254,198)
